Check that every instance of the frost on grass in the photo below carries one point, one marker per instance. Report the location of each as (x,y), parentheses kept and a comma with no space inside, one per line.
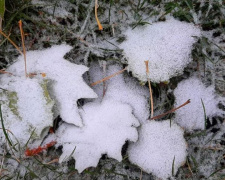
(26,108)
(158,145)
(167,45)
(107,126)
(122,89)
(66,84)
(192,116)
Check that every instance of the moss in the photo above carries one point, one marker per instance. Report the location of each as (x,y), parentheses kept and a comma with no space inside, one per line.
(12,97)
(46,93)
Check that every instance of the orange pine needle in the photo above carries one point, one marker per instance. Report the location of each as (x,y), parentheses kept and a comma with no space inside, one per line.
(108,77)
(43,75)
(24,49)
(7,37)
(96,16)
(5,72)
(172,110)
(150,88)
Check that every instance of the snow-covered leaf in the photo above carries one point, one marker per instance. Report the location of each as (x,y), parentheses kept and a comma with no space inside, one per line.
(159,144)
(66,84)
(123,89)
(26,107)
(107,126)
(167,45)
(203,103)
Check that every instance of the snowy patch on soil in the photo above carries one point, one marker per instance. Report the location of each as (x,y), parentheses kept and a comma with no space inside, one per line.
(167,45)
(159,144)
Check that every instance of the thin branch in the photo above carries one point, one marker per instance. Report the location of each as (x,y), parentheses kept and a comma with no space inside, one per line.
(108,77)
(150,89)
(172,110)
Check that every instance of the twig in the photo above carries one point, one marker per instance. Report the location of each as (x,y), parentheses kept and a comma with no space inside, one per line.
(108,77)
(150,88)
(24,49)
(172,110)
(7,37)
(96,15)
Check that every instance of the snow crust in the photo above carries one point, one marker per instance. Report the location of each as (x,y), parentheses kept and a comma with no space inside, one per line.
(107,126)
(66,84)
(167,45)
(122,89)
(156,148)
(192,117)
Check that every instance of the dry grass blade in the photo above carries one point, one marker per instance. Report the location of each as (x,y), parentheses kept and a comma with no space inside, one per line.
(170,111)
(24,49)
(96,15)
(108,77)
(7,37)
(150,89)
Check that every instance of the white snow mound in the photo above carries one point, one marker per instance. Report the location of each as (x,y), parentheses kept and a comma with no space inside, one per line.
(158,145)
(107,126)
(167,45)
(192,116)
(65,78)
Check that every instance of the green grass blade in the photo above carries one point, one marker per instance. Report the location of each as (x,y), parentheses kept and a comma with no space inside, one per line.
(204,113)
(2,8)
(173,166)
(29,138)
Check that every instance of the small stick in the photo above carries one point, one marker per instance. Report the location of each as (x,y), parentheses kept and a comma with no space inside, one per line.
(24,49)
(172,110)
(150,88)
(108,77)
(7,37)
(96,16)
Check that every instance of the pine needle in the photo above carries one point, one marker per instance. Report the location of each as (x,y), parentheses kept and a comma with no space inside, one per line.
(108,77)
(5,72)
(7,37)
(24,49)
(150,88)
(96,16)
(172,110)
